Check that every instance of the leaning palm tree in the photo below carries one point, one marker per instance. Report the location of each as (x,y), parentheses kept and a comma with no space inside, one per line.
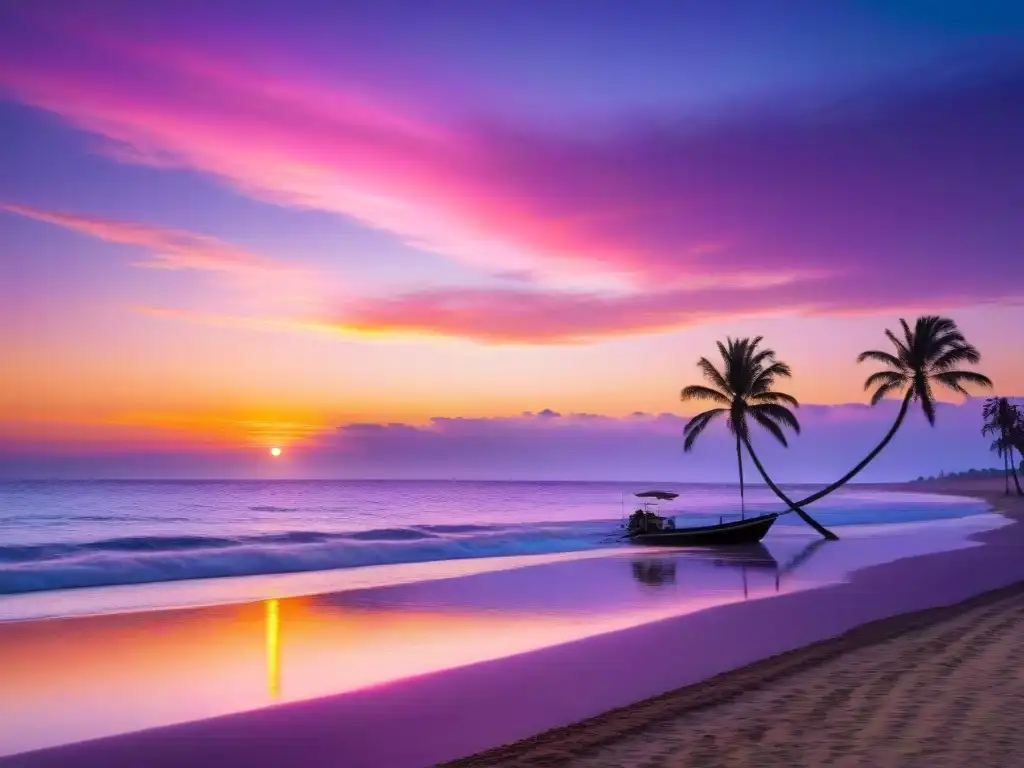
(744,388)
(926,356)
(1003,420)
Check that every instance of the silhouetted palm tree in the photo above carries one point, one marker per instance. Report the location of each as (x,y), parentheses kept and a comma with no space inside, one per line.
(1004,420)
(927,355)
(1017,440)
(744,388)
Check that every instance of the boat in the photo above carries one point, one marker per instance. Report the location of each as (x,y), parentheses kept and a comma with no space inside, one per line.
(748,531)
(659,495)
(646,527)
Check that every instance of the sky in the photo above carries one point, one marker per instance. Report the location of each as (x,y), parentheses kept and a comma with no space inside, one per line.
(385,236)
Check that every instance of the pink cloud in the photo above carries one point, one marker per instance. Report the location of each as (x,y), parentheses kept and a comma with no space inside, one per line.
(875,204)
(169,248)
(500,316)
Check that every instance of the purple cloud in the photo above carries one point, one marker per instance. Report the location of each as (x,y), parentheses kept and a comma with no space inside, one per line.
(539,446)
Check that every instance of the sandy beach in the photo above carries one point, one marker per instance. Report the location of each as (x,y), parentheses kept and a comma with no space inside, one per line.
(940,687)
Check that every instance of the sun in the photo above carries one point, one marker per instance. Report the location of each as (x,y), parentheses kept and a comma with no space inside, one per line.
(275,451)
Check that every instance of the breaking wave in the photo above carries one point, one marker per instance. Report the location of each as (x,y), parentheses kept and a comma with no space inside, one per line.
(143,559)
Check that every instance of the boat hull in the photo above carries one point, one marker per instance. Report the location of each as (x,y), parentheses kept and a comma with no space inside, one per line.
(747,531)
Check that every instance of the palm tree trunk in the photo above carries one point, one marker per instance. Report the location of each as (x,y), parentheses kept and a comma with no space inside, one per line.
(1013,469)
(867,459)
(739,459)
(789,502)
(1006,471)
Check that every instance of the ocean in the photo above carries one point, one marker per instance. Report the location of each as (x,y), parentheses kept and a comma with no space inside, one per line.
(58,535)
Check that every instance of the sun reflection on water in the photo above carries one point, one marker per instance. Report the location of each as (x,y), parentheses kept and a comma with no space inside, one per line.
(273,648)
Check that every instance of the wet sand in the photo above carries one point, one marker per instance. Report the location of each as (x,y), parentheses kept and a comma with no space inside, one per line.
(940,687)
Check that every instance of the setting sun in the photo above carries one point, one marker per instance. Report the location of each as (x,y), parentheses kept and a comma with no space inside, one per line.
(275,451)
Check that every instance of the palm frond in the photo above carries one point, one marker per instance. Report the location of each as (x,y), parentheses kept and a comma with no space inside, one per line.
(955,380)
(743,382)
(763,380)
(695,426)
(700,392)
(924,394)
(912,337)
(762,357)
(891,378)
(774,429)
(884,389)
(878,355)
(775,397)
(992,406)
(714,376)
(777,413)
(726,351)
(902,350)
(961,353)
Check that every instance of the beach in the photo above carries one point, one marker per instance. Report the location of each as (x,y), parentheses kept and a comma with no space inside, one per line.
(940,687)
(812,654)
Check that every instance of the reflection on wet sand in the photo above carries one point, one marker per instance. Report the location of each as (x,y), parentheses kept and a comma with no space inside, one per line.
(273,648)
(655,572)
(77,678)
(661,570)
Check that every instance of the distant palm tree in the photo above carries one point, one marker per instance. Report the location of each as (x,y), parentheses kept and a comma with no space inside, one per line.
(927,355)
(744,388)
(1017,440)
(1004,420)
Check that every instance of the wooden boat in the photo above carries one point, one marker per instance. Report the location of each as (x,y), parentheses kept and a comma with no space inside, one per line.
(748,531)
(646,526)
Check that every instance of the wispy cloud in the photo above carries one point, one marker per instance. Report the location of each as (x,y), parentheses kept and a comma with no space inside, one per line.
(167,248)
(545,317)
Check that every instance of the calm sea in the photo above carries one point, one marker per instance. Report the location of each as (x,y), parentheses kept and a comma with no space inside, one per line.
(65,534)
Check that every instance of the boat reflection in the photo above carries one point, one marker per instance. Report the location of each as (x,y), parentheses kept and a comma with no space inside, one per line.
(662,571)
(655,572)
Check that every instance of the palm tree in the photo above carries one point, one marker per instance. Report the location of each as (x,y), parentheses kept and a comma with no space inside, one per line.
(744,388)
(926,356)
(1017,439)
(1004,420)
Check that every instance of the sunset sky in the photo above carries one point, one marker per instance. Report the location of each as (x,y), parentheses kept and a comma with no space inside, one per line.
(235,225)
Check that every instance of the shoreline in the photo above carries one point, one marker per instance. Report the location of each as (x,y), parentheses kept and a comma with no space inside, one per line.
(593,741)
(471,709)
(231,589)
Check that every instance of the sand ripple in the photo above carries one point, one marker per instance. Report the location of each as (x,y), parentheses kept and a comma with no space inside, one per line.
(938,688)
